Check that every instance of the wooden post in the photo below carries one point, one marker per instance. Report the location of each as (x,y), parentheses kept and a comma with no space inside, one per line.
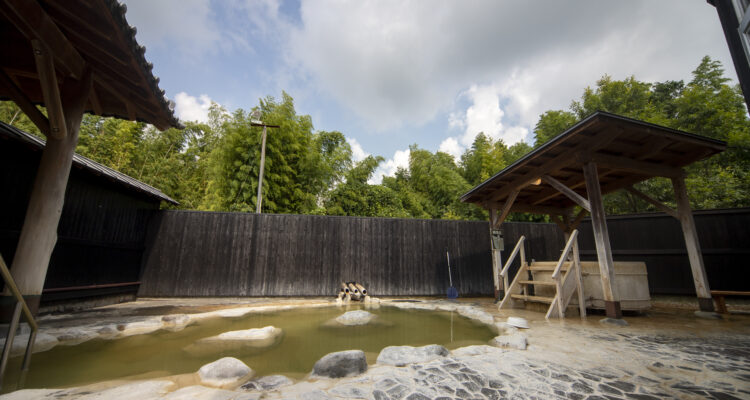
(601,238)
(693,246)
(496,221)
(39,232)
(496,256)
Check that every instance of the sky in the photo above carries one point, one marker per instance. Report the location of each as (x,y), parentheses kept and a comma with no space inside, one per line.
(389,74)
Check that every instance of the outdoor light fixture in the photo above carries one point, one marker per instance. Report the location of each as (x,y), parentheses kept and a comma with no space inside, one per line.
(255,121)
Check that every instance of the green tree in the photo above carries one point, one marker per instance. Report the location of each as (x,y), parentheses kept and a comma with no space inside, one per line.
(706,106)
(299,165)
(551,124)
(12,115)
(356,197)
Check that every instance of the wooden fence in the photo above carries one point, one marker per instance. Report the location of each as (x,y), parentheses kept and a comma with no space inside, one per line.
(193,253)
(239,254)
(656,239)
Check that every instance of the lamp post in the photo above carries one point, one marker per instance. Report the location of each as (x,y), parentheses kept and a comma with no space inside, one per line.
(255,121)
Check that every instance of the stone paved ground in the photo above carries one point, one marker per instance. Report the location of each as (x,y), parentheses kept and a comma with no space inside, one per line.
(664,354)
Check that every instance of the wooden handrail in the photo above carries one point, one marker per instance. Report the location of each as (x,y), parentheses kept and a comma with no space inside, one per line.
(565,253)
(519,248)
(21,305)
(512,255)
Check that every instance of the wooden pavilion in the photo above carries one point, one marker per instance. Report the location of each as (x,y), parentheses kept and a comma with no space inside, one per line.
(72,57)
(601,154)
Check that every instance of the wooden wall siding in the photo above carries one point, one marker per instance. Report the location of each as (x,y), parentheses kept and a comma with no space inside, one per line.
(102,229)
(657,239)
(239,254)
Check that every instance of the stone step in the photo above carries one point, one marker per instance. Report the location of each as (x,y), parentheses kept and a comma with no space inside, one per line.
(547,283)
(537,299)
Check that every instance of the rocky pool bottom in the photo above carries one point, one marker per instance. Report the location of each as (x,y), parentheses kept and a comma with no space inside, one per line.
(664,354)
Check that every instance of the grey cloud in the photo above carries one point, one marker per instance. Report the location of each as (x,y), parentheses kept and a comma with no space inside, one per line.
(408,61)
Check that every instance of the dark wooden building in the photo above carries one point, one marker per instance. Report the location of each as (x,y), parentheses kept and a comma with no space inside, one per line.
(102,230)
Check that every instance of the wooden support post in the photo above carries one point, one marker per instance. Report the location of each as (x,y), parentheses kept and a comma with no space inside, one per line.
(693,246)
(601,238)
(496,220)
(496,257)
(39,232)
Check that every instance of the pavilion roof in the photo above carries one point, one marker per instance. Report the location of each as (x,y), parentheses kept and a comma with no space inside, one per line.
(626,151)
(79,33)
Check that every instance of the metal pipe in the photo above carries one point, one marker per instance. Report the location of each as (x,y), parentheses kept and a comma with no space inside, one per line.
(11,284)
(260,174)
(9,340)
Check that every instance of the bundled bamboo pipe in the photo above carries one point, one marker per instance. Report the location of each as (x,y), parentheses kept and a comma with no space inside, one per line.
(361,289)
(354,292)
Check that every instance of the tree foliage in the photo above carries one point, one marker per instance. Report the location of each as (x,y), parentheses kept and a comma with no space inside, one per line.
(215,165)
(707,106)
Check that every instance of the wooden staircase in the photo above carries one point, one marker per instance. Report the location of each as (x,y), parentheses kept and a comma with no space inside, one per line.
(566,280)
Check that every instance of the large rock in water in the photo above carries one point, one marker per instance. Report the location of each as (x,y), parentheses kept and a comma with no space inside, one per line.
(358,317)
(226,372)
(248,340)
(403,355)
(341,364)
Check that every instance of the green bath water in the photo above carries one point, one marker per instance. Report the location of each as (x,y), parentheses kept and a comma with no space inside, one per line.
(305,340)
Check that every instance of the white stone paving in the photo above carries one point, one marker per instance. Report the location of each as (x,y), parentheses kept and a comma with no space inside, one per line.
(654,357)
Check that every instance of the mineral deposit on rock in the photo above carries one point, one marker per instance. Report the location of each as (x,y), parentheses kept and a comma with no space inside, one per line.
(403,355)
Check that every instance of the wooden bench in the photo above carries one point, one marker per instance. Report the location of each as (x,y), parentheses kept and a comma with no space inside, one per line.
(718,295)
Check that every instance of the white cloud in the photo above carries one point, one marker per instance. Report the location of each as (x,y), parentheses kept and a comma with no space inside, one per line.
(190,108)
(185,23)
(197,27)
(358,153)
(451,146)
(390,166)
(395,63)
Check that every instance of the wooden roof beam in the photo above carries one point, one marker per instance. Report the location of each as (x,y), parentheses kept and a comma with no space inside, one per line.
(557,162)
(45,68)
(658,204)
(570,193)
(499,218)
(30,18)
(544,210)
(637,166)
(24,103)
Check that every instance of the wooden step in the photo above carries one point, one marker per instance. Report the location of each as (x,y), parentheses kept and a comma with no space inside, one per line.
(547,283)
(538,299)
(548,267)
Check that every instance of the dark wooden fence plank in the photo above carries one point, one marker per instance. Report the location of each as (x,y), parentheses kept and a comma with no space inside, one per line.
(237,254)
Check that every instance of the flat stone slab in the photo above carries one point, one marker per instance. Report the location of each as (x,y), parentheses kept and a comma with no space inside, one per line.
(341,364)
(353,318)
(403,355)
(517,341)
(198,392)
(243,341)
(133,391)
(225,372)
(269,382)
(613,321)
(43,342)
